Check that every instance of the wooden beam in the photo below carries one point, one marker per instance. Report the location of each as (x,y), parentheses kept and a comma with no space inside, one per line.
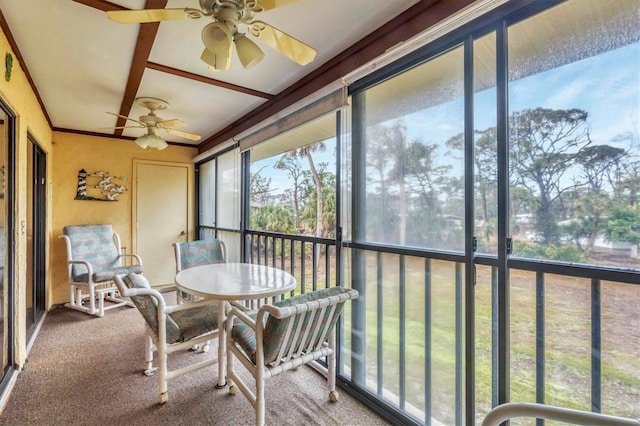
(146,37)
(207,80)
(102,5)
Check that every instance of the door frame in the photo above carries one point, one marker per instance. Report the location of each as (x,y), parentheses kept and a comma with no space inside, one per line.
(134,197)
(39,232)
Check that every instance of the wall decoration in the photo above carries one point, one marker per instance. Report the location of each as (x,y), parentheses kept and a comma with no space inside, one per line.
(104,186)
(8,63)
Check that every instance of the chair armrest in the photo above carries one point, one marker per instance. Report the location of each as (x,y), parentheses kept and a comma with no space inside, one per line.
(241,314)
(84,263)
(135,256)
(238,305)
(287,311)
(188,305)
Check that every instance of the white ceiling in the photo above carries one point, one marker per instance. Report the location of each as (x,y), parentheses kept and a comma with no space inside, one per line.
(80,61)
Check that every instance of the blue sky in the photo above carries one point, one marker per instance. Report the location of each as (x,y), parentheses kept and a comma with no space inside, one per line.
(607,86)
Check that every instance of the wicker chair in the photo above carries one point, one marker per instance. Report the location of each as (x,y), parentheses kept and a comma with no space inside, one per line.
(170,328)
(284,336)
(94,258)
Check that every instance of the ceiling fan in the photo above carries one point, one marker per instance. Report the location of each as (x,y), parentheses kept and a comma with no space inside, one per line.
(223,33)
(155,124)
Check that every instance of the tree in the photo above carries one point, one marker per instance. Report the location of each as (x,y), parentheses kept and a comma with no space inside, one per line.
(277,218)
(292,166)
(378,160)
(428,181)
(599,163)
(486,174)
(543,146)
(307,151)
(309,213)
(624,225)
(259,188)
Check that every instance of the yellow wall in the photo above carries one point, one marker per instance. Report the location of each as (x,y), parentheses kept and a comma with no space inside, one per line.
(17,94)
(74,152)
(66,154)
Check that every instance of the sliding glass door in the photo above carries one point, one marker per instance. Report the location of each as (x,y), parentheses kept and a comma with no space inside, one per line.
(7,293)
(36,233)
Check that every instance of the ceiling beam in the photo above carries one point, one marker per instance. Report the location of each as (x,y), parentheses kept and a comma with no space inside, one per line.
(102,5)
(146,37)
(417,18)
(207,80)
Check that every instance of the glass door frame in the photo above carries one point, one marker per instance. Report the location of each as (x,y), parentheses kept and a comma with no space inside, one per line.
(38,229)
(9,365)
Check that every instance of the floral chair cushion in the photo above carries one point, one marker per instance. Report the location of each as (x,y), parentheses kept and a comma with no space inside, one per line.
(193,322)
(94,243)
(201,252)
(181,325)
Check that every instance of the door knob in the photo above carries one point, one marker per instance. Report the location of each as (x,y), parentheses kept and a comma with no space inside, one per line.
(183,233)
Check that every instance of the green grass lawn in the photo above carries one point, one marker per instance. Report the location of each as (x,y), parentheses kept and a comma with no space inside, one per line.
(567,337)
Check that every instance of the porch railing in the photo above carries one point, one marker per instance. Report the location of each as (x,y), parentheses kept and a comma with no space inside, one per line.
(398,273)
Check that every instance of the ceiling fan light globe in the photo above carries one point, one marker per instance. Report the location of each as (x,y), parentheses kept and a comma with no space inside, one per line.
(142,142)
(161,144)
(151,141)
(249,53)
(218,42)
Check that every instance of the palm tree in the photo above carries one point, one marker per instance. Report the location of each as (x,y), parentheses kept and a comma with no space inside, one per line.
(307,151)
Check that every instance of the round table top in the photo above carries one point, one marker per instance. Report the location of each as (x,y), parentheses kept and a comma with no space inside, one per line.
(235,281)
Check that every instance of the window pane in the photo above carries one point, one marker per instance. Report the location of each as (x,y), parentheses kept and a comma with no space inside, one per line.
(574,102)
(294,191)
(415,168)
(229,190)
(207,175)
(485,149)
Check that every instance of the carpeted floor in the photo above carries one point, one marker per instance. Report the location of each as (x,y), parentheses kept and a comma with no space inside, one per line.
(84,370)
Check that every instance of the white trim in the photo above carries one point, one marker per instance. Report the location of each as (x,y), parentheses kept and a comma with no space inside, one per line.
(462,17)
(511,410)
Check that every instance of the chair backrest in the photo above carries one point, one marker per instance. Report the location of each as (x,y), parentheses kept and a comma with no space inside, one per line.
(95,244)
(302,323)
(200,252)
(147,304)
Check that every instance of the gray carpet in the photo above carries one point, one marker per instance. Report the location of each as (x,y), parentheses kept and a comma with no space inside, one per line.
(84,370)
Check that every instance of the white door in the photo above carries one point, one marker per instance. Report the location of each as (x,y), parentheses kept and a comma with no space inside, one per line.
(161,207)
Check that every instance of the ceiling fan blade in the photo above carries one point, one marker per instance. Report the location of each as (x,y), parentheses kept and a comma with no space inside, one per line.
(289,46)
(127,118)
(172,123)
(268,4)
(182,134)
(146,15)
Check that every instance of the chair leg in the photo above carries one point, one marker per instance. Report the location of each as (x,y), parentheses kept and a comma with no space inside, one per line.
(331,369)
(331,378)
(148,354)
(162,373)
(92,300)
(100,312)
(259,407)
(72,294)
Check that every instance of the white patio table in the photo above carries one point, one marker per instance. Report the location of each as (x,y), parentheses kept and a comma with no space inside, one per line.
(227,282)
